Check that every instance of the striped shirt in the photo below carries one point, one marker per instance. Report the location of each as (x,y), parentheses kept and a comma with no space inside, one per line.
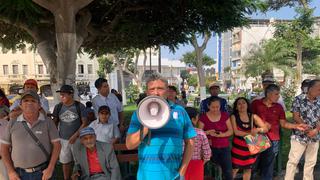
(201,146)
(161,159)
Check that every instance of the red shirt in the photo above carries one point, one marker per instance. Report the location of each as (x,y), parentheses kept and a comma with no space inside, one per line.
(272,115)
(93,162)
(221,125)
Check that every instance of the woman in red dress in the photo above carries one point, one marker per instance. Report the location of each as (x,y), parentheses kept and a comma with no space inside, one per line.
(241,122)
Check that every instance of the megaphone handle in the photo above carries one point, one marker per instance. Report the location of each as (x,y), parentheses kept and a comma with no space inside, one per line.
(149,137)
(141,135)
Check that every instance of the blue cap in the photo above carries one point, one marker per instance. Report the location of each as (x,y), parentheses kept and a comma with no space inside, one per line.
(87,131)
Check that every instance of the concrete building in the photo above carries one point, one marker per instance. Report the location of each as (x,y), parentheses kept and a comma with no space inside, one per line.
(16,67)
(236,44)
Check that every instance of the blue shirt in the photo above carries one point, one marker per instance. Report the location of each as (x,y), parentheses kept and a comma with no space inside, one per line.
(204,105)
(161,159)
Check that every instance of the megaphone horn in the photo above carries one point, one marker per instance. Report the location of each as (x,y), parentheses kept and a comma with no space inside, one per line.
(153,112)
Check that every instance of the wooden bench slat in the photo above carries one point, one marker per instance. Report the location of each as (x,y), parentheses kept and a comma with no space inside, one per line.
(124,154)
(127,157)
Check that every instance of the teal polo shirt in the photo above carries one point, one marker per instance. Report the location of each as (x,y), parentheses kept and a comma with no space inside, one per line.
(161,159)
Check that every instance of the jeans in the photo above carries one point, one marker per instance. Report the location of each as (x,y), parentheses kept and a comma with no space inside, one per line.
(267,159)
(222,156)
(31,176)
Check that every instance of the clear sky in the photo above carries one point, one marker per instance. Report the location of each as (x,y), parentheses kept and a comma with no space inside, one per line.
(284,13)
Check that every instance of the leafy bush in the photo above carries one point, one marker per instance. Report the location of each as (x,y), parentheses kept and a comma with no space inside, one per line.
(288,94)
(132,93)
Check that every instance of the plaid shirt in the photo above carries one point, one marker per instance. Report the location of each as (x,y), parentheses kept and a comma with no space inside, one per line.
(201,146)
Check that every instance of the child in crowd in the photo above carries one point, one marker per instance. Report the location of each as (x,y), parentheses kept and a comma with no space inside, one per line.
(105,132)
(4,117)
(201,153)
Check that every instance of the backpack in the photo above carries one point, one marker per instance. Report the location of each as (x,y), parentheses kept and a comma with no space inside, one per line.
(77,103)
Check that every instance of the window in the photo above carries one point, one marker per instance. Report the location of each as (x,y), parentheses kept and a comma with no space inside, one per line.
(40,69)
(5,69)
(80,69)
(25,69)
(15,69)
(90,69)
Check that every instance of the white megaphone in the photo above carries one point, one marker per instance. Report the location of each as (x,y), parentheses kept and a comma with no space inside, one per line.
(153,112)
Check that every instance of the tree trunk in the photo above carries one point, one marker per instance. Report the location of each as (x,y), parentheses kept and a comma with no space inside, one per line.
(299,64)
(202,81)
(62,71)
(123,92)
(49,58)
(199,53)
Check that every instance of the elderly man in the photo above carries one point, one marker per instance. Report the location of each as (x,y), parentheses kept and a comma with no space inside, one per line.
(161,156)
(29,85)
(214,92)
(109,99)
(30,146)
(94,160)
(273,114)
(305,109)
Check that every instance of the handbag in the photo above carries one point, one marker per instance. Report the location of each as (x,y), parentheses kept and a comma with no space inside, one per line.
(258,143)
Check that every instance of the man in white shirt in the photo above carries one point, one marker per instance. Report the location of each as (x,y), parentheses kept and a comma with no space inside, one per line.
(109,99)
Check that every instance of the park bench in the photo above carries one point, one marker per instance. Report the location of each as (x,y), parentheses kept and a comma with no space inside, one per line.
(128,160)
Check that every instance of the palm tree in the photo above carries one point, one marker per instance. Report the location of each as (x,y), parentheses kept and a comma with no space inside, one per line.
(271,54)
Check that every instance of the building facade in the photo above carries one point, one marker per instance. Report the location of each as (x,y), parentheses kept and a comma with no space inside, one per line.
(17,66)
(237,43)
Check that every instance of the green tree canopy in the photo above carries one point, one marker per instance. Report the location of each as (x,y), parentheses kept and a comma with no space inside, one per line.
(190,59)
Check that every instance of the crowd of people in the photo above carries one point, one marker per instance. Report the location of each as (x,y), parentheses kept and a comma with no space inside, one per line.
(81,137)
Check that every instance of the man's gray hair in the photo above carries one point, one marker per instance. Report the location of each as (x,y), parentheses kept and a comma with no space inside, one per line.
(155,77)
(270,88)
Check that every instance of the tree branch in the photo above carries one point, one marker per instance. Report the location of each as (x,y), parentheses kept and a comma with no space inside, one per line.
(119,15)
(47,4)
(110,9)
(194,42)
(82,26)
(79,4)
(137,54)
(144,65)
(207,36)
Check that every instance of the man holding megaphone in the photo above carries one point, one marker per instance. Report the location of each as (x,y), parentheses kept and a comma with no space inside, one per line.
(160,148)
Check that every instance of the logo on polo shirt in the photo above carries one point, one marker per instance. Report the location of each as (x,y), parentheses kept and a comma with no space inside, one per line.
(175,115)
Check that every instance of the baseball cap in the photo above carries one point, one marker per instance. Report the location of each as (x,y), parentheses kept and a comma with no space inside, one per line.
(104,108)
(30,93)
(87,131)
(31,82)
(268,80)
(66,89)
(214,85)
